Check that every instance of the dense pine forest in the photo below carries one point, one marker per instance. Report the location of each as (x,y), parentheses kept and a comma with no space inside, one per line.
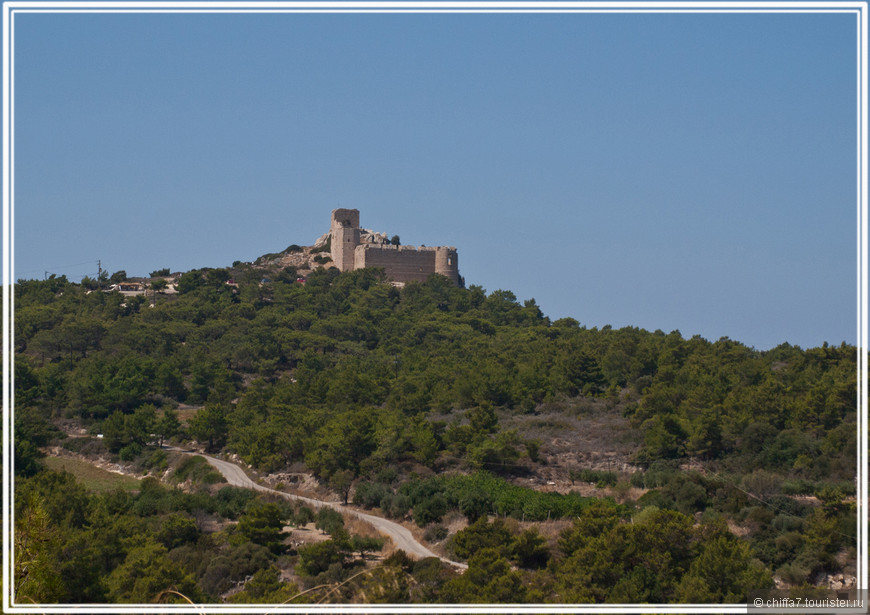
(564,464)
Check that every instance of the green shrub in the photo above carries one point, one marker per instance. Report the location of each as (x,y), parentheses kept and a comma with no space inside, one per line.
(130,452)
(599,477)
(689,497)
(153,498)
(759,514)
(329,520)
(435,533)
(176,530)
(156,460)
(797,486)
(303,516)
(237,563)
(318,557)
(793,573)
(327,247)
(366,544)
(370,495)
(474,503)
(787,523)
(198,470)
(482,535)
(262,524)
(530,550)
(232,501)
(396,505)
(430,510)
(655,498)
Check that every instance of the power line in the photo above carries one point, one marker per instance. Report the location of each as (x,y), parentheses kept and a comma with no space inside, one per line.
(59,268)
(94,260)
(764,502)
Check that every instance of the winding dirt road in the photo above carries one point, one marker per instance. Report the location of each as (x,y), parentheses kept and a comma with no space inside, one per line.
(401,537)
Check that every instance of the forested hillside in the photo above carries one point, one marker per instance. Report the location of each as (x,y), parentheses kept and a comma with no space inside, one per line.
(446,407)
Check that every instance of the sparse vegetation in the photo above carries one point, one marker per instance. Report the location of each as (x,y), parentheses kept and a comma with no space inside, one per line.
(327,247)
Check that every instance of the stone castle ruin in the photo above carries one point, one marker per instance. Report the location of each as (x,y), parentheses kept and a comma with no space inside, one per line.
(356,248)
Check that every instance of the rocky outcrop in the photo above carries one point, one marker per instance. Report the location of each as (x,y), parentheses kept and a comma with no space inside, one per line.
(365,236)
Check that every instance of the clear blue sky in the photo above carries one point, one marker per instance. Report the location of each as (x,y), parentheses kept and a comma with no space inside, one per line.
(667,171)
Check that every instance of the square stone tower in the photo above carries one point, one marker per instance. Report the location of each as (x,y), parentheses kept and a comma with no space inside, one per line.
(345,237)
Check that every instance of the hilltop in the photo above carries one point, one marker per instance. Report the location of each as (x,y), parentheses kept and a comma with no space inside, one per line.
(351,247)
(304,259)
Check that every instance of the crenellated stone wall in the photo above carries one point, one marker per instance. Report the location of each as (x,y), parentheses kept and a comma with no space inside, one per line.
(401,263)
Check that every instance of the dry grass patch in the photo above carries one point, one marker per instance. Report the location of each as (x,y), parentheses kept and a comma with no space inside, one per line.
(90,476)
(355,525)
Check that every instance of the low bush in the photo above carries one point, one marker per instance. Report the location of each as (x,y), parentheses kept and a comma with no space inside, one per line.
(130,452)
(598,477)
(435,533)
(232,501)
(198,470)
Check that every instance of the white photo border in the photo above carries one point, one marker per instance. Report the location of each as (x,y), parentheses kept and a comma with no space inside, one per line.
(10,9)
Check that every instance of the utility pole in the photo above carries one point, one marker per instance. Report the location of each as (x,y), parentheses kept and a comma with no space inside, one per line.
(99,274)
